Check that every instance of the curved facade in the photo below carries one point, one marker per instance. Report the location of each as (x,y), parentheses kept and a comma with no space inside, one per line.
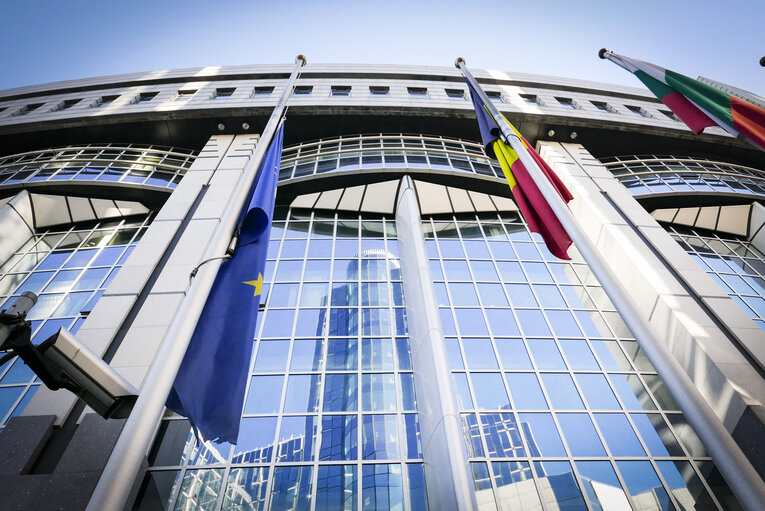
(417,347)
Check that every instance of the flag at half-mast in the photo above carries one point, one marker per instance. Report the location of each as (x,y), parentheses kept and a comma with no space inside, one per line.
(211,382)
(533,206)
(697,104)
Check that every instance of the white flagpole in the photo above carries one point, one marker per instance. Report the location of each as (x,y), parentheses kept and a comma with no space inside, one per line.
(121,470)
(735,467)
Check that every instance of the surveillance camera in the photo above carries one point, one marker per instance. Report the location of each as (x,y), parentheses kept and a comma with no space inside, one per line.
(88,376)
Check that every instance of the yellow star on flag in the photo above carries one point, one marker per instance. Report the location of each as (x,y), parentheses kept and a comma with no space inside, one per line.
(257,284)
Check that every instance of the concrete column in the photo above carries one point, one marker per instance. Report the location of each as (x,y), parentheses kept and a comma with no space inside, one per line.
(721,372)
(449,483)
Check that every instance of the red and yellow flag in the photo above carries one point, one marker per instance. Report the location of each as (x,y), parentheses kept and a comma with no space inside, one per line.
(533,206)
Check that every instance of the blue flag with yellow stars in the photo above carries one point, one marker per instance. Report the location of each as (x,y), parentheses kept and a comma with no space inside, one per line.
(209,389)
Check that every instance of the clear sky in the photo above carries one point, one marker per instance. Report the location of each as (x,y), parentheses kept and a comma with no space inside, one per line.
(44,41)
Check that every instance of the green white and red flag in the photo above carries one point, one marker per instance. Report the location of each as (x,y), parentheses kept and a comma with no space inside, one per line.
(696,103)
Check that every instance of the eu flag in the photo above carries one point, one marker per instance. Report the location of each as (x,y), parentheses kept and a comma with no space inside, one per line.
(211,382)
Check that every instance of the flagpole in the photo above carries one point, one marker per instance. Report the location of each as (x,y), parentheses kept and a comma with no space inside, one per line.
(730,459)
(118,477)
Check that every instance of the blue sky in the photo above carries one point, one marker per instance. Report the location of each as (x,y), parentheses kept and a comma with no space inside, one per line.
(53,40)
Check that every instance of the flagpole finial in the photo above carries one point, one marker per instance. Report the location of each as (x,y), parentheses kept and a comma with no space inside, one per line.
(301,58)
(602,52)
(459,61)
(762,61)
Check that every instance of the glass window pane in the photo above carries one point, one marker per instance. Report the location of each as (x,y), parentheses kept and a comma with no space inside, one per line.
(502,322)
(490,392)
(563,323)
(255,443)
(515,486)
(559,477)
(479,353)
(302,393)
(482,483)
(378,392)
(719,486)
(580,434)
(306,355)
(503,439)
(541,434)
(339,439)
(618,434)
(381,487)
(380,437)
(492,295)
(340,393)
(512,353)
(297,438)
(601,486)
(246,489)
(342,354)
(472,435)
(463,294)
(264,395)
(377,354)
(199,490)
(527,394)
(578,354)
(596,392)
(685,485)
(463,391)
(545,354)
(656,434)
(157,490)
(471,322)
(291,489)
(271,356)
(532,323)
(562,392)
(643,484)
(521,295)
(336,488)
(631,391)
(418,498)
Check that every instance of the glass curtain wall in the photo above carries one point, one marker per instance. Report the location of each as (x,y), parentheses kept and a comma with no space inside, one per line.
(329,418)
(560,408)
(68,268)
(732,262)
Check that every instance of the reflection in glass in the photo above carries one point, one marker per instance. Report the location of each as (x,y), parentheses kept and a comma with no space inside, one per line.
(157,490)
(382,487)
(601,486)
(264,395)
(380,437)
(199,490)
(336,488)
(246,489)
(340,392)
(482,483)
(255,443)
(541,434)
(418,498)
(644,486)
(297,438)
(378,392)
(685,485)
(515,486)
(558,485)
(291,489)
(302,393)
(490,391)
(503,440)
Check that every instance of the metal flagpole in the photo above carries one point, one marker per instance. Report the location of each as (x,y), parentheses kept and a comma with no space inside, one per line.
(119,475)
(738,471)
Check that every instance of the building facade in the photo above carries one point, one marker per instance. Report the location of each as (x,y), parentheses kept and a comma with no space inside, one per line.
(417,347)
